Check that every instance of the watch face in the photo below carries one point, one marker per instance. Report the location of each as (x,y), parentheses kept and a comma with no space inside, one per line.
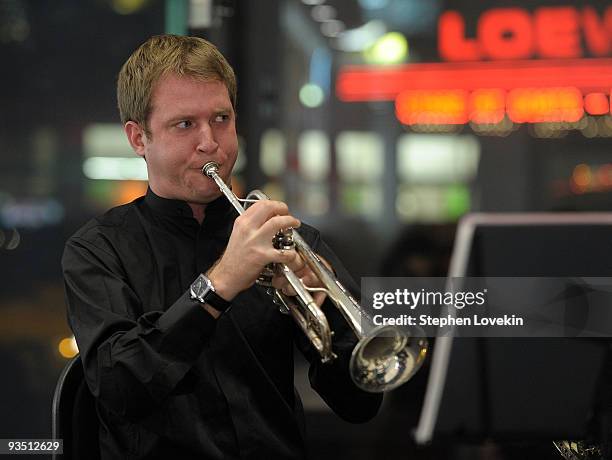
(200,286)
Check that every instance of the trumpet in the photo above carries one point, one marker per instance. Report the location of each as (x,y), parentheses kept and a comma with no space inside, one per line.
(384,357)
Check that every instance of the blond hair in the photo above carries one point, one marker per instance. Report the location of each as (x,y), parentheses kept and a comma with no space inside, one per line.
(168,54)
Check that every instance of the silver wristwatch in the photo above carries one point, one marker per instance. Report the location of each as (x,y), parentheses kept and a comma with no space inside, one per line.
(203,291)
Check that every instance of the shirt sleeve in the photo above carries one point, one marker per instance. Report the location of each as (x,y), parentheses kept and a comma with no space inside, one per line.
(132,364)
(332,381)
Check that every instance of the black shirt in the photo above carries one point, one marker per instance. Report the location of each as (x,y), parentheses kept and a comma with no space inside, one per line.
(169,379)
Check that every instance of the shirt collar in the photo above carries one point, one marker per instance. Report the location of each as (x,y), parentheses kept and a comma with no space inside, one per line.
(218,212)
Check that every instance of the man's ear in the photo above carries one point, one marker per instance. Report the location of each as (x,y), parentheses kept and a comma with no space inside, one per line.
(136,137)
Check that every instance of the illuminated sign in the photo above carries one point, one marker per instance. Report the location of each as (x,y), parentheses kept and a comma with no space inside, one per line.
(515,33)
(548,65)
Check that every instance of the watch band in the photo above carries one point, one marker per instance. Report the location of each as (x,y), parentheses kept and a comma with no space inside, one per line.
(216,301)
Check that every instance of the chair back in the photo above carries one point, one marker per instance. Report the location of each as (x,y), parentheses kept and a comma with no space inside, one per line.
(74,417)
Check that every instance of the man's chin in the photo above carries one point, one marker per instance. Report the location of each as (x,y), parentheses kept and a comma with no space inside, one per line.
(198,197)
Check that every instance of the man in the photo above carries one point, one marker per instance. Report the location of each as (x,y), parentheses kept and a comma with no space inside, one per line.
(175,371)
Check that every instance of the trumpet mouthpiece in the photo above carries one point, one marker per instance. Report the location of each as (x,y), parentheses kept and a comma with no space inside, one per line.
(210,168)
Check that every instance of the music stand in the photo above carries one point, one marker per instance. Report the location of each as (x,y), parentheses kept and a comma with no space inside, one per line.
(517,389)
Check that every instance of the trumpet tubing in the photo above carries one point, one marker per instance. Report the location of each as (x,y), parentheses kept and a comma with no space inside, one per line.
(384,357)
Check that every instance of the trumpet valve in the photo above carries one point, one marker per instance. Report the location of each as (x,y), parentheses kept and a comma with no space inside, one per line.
(265,277)
(284,239)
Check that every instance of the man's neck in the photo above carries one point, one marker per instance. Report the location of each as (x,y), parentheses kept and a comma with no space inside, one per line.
(197,209)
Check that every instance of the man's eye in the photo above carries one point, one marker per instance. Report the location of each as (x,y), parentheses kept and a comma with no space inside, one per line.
(183,124)
(221,118)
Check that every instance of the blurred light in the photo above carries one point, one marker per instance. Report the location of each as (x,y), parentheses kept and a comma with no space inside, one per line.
(546,131)
(68,348)
(200,14)
(373,4)
(274,191)
(361,38)
(322,13)
(14,241)
(444,107)
(321,68)
(437,158)
(422,203)
(457,201)
(127,6)
(406,204)
(590,178)
(272,156)
(544,104)
(590,129)
(314,158)
(487,105)
(362,199)
(332,28)
(523,105)
(581,178)
(106,140)
(31,213)
(597,126)
(596,104)
(391,48)
(109,168)
(604,176)
(313,2)
(367,83)
(128,191)
(311,95)
(501,129)
(314,199)
(552,130)
(604,126)
(360,156)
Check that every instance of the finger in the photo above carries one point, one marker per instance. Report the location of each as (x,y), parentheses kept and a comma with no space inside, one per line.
(280,256)
(297,264)
(326,263)
(319,298)
(277,223)
(260,212)
(280,283)
(311,280)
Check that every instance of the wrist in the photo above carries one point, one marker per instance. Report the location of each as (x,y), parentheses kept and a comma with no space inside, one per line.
(203,290)
(222,284)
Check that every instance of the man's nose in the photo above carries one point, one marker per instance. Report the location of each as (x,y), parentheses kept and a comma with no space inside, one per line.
(207,143)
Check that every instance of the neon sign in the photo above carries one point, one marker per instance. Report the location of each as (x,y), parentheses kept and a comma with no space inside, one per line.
(515,33)
(529,66)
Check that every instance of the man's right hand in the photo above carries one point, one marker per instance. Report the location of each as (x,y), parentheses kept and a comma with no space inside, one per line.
(250,247)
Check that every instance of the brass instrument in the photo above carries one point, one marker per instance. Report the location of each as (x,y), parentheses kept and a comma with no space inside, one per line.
(383,359)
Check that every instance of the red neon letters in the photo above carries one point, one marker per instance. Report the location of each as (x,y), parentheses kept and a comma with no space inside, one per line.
(515,33)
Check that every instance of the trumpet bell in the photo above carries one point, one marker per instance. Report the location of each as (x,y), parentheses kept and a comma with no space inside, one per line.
(386,358)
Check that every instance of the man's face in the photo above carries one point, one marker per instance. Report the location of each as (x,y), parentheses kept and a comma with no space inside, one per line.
(191,123)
